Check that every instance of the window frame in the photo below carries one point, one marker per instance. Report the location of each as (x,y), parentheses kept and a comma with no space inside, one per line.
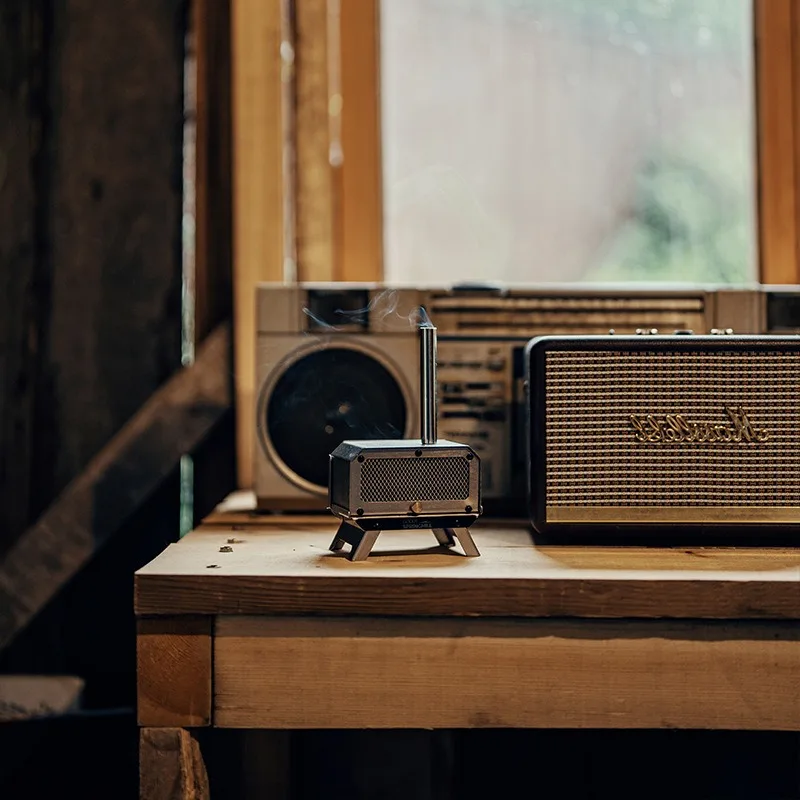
(306,80)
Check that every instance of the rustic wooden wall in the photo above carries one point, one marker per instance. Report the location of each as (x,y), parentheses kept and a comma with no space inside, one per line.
(90,212)
(22,111)
(113,233)
(91,156)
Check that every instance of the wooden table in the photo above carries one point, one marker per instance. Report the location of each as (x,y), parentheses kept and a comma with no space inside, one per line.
(250,622)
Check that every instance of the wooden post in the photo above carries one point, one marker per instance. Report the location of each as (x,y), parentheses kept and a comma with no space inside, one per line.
(174,671)
(213,228)
(258,242)
(315,200)
(361,184)
(171,766)
(113,224)
(91,117)
(777,69)
(22,299)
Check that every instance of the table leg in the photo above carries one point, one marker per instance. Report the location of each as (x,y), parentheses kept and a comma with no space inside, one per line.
(171,766)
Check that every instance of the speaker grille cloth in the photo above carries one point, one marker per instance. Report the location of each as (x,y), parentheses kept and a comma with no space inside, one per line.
(386,480)
(594,458)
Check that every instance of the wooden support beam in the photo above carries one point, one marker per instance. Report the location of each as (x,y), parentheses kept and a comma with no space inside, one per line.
(213,227)
(337,141)
(315,199)
(475,673)
(171,766)
(361,182)
(112,226)
(777,69)
(21,116)
(258,190)
(174,671)
(114,484)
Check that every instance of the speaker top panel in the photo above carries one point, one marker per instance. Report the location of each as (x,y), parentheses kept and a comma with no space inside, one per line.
(345,308)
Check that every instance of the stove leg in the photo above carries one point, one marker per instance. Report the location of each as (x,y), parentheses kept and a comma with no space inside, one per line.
(466,541)
(444,536)
(361,542)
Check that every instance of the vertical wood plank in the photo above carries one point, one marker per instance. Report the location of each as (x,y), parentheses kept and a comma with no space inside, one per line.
(315,203)
(776,61)
(792,273)
(22,110)
(174,671)
(258,189)
(212,257)
(361,200)
(113,225)
(213,474)
(171,766)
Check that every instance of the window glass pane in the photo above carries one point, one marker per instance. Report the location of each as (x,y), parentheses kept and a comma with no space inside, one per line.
(568,140)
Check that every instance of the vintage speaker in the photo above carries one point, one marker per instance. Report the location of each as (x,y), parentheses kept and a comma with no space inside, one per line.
(682,435)
(331,365)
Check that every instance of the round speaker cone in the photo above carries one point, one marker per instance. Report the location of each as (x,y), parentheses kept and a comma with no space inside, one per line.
(327,397)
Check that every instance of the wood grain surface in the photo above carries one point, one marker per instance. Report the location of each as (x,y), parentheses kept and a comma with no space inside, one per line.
(361,179)
(421,673)
(258,116)
(213,288)
(171,766)
(23,100)
(284,567)
(174,671)
(315,203)
(777,55)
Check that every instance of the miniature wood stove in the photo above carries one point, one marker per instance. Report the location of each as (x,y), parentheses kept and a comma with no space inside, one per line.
(405,484)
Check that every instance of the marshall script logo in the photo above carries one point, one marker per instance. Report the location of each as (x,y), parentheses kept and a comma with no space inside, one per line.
(676,428)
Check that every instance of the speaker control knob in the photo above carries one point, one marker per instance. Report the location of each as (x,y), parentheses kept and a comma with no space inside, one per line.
(684,332)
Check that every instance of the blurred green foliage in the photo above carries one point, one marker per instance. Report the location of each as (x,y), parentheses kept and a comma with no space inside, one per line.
(707,22)
(693,214)
(710,23)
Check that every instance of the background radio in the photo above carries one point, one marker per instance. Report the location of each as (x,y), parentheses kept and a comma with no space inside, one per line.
(339,361)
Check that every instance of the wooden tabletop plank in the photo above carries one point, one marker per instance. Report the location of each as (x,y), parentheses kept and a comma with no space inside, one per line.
(283,566)
(361,672)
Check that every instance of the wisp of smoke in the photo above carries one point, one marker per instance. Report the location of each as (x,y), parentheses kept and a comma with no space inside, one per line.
(380,307)
(383,305)
(419,317)
(319,322)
